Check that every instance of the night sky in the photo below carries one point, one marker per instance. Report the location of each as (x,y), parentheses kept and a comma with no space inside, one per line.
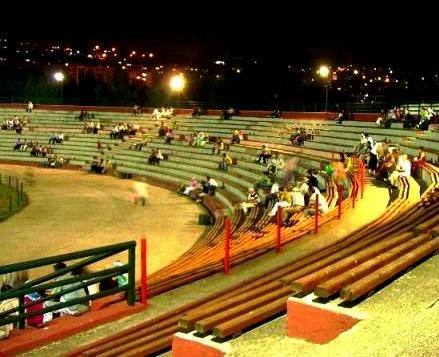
(360,32)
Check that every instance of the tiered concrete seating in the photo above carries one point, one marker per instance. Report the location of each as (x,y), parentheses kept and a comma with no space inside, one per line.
(206,255)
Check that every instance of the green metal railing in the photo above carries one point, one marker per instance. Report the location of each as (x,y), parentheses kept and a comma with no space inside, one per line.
(11,189)
(46,282)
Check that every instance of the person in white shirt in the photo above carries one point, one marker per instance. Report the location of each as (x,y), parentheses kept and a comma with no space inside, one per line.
(272,196)
(209,187)
(403,168)
(252,200)
(323,204)
(156,114)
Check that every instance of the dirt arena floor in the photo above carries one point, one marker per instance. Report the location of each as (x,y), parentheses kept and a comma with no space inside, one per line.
(73,210)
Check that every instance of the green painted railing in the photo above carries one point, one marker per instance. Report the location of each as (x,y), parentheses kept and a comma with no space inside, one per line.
(12,197)
(46,282)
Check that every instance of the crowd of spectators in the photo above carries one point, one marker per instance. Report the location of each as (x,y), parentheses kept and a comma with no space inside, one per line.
(164,113)
(402,115)
(16,123)
(122,129)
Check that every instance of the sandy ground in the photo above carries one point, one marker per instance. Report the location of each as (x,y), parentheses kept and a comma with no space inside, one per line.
(72,210)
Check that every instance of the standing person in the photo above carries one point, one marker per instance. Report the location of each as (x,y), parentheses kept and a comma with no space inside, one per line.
(141,192)
(30,107)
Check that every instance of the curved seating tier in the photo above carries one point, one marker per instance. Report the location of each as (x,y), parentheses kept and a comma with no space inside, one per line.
(235,309)
(251,235)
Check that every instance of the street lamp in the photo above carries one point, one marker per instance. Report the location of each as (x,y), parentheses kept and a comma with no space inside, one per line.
(324,73)
(59,77)
(177,84)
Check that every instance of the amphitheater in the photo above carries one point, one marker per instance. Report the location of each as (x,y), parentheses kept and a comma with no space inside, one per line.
(372,259)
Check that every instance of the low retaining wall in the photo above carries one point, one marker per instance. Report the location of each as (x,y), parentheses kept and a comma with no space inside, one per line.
(243,113)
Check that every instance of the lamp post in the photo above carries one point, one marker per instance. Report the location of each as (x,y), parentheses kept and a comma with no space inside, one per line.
(177,84)
(59,77)
(324,73)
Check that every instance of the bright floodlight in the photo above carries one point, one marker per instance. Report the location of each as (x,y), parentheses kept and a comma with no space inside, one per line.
(59,76)
(324,71)
(177,83)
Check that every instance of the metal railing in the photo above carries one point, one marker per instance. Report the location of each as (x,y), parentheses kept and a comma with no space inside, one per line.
(52,280)
(14,197)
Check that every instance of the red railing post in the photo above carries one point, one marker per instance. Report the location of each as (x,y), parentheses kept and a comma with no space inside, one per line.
(363,181)
(321,165)
(354,184)
(340,199)
(143,262)
(278,228)
(316,215)
(227,247)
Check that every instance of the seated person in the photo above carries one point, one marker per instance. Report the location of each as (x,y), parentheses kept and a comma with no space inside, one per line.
(153,158)
(252,200)
(418,161)
(228,113)
(276,163)
(297,204)
(37,320)
(275,113)
(209,187)
(271,197)
(191,139)
(408,120)
(218,147)
(79,293)
(169,136)
(97,166)
(18,144)
(235,138)
(121,279)
(51,160)
(264,154)
(403,168)
(6,305)
(155,114)
(196,112)
(323,204)
(193,186)
(283,200)
(226,162)
(200,140)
